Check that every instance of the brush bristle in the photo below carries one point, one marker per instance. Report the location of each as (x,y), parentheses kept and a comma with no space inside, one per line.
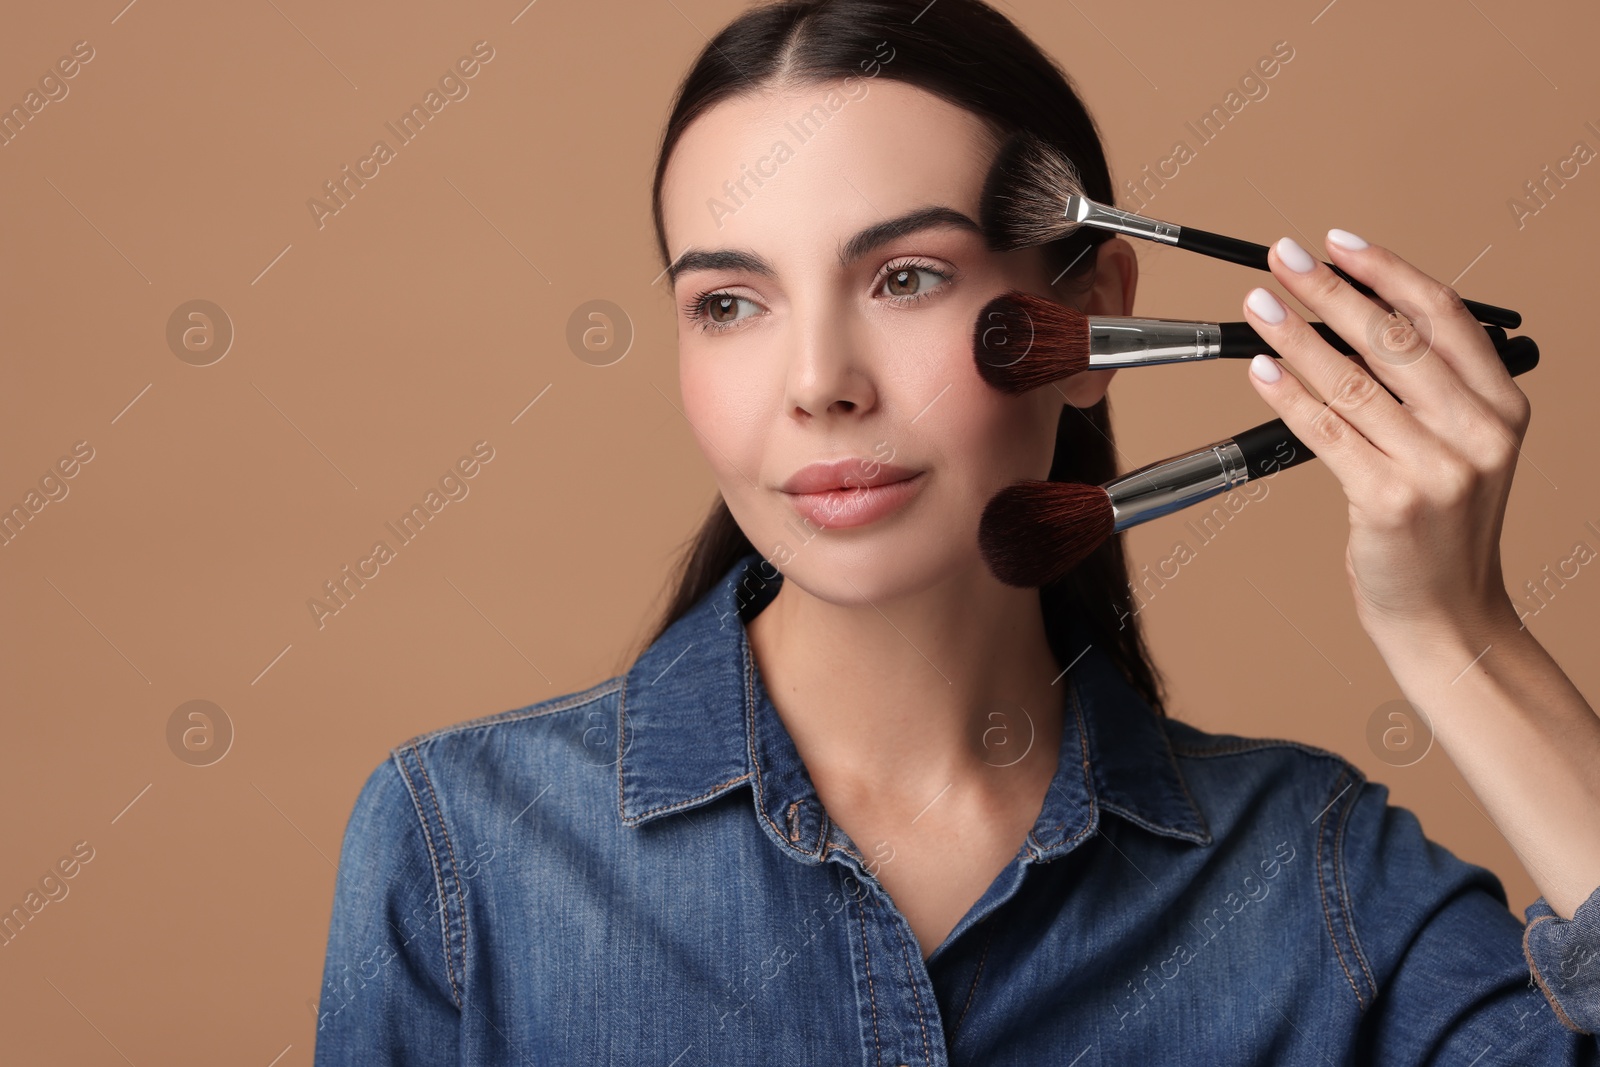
(1022,341)
(1035,533)
(1025,195)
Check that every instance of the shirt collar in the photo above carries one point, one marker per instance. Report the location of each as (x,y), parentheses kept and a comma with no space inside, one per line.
(695,721)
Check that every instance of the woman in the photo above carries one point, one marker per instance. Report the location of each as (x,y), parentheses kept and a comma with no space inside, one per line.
(860,802)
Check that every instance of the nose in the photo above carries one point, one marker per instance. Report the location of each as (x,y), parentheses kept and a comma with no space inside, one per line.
(830,369)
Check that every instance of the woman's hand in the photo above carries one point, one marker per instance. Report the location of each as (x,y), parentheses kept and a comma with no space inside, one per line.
(1428,480)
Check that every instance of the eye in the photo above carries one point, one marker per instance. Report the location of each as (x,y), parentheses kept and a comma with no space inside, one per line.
(911,279)
(722,309)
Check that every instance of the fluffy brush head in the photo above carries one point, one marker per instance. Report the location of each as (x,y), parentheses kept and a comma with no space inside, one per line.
(1035,533)
(1022,341)
(1025,195)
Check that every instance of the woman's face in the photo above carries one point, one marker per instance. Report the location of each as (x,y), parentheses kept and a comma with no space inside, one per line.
(828,275)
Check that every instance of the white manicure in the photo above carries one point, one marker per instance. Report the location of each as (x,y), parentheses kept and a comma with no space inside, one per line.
(1346,239)
(1266,305)
(1294,257)
(1265,367)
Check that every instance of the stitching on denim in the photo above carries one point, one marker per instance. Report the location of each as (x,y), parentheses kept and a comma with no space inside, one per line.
(1252,744)
(533,711)
(1183,783)
(1533,969)
(438,879)
(829,846)
(872,996)
(750,739)
(750,745)
(1154,827)
(1200,837)
(1344,889)
(975,976)
(691,801)
(1327,914)
(622,744)
(916,996)
(821,848)
(622,726)
(455,868)
(1088,785)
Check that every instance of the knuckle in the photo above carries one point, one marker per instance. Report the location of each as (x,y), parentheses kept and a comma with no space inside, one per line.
(1505,456)
(1519,412)
(1325,284)
(1454,483)
(1393,334)
(1329,428)
(1446,300)
(1353,391)
(1496,440)
(1499,454)
(1399,505)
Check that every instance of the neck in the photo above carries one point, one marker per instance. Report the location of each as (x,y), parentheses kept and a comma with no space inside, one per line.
(893,698)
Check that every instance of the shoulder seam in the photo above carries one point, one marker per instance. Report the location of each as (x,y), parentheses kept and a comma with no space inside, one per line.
(531,711)
(1333,872)
(438,879)
(1360,783)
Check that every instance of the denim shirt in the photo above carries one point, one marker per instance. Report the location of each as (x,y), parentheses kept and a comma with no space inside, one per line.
(642,873)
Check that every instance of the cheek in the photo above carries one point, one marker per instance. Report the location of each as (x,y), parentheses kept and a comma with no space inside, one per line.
(995,440)
(977,428)
(723,403)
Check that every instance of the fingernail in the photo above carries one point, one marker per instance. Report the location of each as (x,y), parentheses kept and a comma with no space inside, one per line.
(1294,257)
(1346,239)
(1265,368)
(1266,305)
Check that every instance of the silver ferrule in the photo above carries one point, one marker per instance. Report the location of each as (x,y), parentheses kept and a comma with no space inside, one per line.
(1087,212)
(1118,341)
(1171,484)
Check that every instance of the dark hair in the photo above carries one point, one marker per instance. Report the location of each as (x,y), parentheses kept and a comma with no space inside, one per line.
(972,56)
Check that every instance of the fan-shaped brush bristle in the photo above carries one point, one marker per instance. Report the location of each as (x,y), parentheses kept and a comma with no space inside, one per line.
(1025,195)
(1022,341)
(1035,533)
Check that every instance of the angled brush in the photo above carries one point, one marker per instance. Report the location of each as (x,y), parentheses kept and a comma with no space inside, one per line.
(1034,195)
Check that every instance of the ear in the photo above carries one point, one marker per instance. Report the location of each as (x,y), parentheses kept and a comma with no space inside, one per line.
(1116,275)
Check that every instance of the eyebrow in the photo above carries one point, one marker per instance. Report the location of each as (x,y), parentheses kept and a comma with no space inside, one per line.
(872,237)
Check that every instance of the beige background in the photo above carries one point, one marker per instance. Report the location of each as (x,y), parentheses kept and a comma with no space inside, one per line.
(372,352)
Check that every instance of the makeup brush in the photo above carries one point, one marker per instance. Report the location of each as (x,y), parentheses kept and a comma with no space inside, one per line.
(1022,341)
(1034,533)
(1033,196)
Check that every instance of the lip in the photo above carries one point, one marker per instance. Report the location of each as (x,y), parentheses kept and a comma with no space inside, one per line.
(845,475)
(838,495)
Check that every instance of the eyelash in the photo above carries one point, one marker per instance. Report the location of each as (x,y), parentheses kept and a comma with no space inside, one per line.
(695,306)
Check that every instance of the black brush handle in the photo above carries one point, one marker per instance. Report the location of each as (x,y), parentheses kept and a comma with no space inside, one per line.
(1272,446)
(1241,341)
(1250,254)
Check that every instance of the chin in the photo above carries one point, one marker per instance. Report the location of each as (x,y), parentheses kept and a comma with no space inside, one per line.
(857,566)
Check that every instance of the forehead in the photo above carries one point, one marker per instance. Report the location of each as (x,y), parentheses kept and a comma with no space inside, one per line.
(802,165)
